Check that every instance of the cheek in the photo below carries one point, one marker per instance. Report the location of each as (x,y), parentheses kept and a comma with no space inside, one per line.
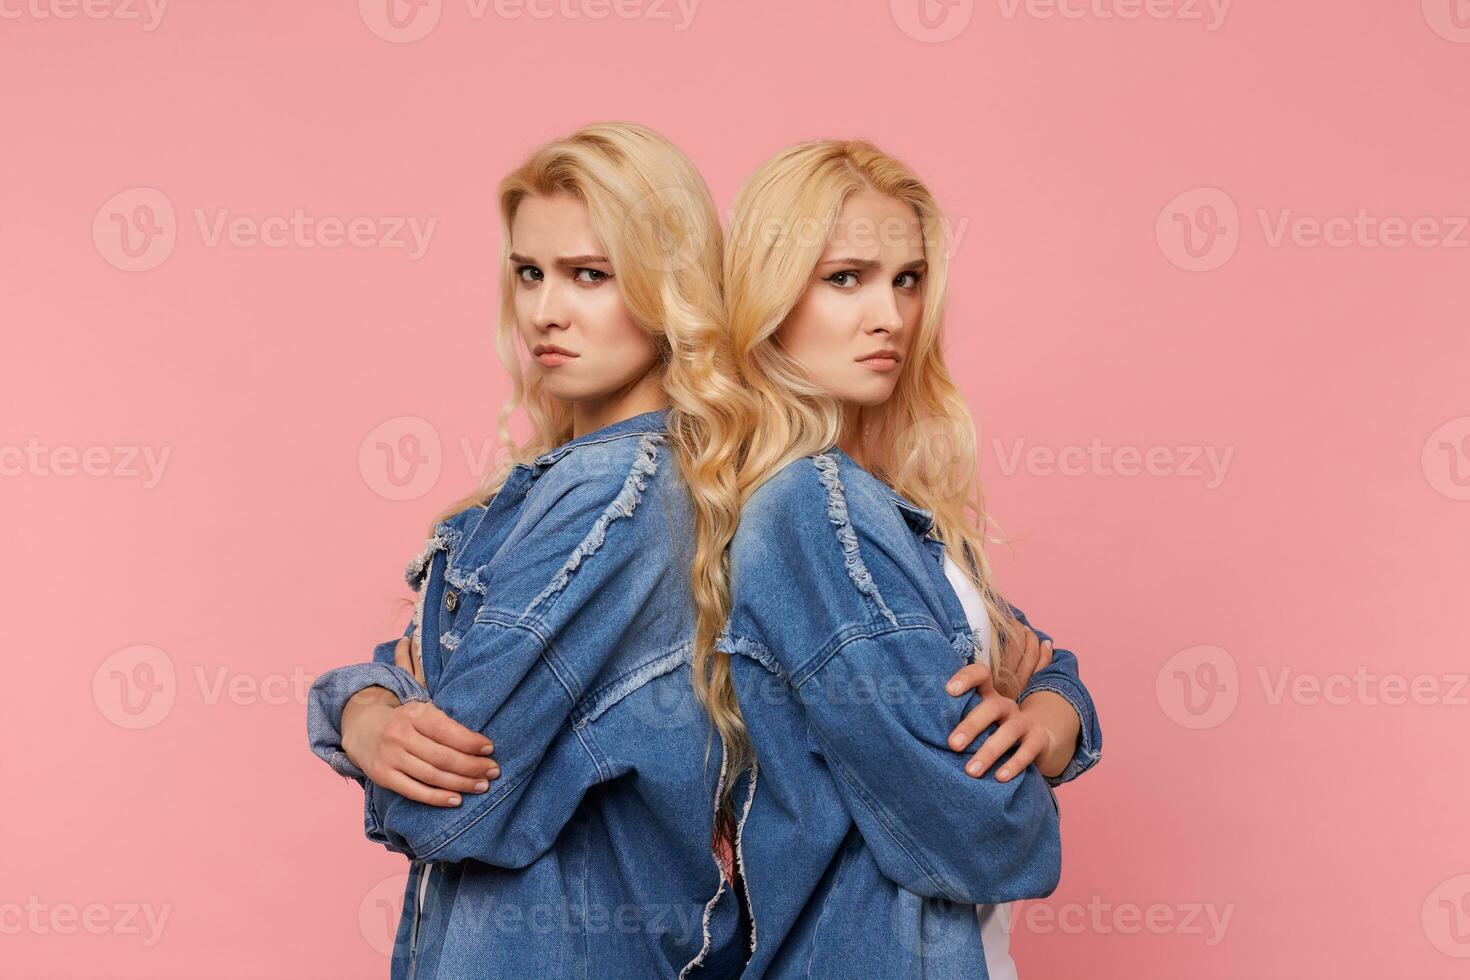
(815,325)
(913,314)
(613,335)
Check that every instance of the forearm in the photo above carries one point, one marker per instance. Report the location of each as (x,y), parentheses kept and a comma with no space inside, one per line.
(332,692)
(1056,715)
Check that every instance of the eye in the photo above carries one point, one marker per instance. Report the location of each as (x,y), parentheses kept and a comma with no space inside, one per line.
(590,275)
(908,280)
(528,273)
(843,280)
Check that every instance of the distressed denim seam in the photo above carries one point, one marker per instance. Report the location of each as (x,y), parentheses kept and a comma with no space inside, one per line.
(645,464)
(466,581)
(810,669)
(446,537)
(857,570)
(751,650)
(553,455)
(597,702)
(755,772)
(709,906)
(965,645)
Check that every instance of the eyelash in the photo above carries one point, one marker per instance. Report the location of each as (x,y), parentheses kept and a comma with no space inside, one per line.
(917,276)
(598,275)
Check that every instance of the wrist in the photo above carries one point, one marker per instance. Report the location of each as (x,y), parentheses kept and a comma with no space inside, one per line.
(374,695)
(1054,759)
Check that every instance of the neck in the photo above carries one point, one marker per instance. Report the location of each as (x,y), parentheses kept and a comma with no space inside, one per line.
(850,440)
(644,395)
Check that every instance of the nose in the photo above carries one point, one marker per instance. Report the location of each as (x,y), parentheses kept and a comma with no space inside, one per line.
(549,311)
(882,314)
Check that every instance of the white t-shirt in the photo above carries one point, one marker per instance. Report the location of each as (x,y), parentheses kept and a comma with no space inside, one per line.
(995,920)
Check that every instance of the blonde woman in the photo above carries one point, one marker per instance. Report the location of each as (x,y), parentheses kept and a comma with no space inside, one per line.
(867,647)
(558,608)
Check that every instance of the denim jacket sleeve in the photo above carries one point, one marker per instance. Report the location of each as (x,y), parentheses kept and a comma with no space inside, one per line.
(538,641)
(330,693)
(1061,677)
(830,591)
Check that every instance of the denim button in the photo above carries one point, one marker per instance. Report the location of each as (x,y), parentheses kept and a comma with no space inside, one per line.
(451,600)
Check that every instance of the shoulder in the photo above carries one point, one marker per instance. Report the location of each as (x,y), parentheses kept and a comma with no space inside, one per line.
(822,493)
(573,502)
(607,464)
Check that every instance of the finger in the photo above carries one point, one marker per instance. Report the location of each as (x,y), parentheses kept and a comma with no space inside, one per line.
(973,724)
(412,789)
(1047,648)
(968,678)
(1030,749)
(1013,645)
(1029,656)
(446,731)
(418,663)
(995,746)
(442,757)
(437,778)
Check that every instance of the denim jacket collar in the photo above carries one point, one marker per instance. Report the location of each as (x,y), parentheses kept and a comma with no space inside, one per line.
(470,548)
(920,519)
(653,421)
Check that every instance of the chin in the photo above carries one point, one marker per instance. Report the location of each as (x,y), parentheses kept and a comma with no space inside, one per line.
(875,391)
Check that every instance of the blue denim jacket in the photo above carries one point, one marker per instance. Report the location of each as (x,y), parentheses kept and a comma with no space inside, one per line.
(558,622)
(866,845)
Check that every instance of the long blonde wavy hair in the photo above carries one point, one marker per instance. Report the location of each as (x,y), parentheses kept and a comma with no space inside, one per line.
(653,212)
(921,440)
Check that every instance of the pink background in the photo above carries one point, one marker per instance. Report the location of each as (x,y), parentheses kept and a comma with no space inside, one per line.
(161,628)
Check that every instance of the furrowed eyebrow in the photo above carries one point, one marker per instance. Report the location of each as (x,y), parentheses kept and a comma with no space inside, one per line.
(865,264)
(570,260)
(870,264)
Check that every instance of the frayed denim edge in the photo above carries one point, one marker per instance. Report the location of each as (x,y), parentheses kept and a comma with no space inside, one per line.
(755,771)
(837,514)
(709,906)
(644,466)
(965,645)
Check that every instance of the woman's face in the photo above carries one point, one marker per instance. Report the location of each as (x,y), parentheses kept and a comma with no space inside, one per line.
(855,322)
(583,339)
